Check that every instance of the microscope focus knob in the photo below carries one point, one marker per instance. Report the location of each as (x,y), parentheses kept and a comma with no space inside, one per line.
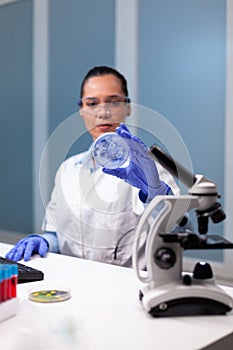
(165,258)
(202,271)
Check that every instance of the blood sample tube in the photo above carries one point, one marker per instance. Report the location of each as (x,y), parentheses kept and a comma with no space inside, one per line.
(3,284)
(14,280)
(0,284)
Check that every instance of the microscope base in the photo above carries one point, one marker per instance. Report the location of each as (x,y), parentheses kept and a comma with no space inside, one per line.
(178,300)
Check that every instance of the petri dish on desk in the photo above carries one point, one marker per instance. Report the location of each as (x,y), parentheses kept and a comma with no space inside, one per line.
(49,294)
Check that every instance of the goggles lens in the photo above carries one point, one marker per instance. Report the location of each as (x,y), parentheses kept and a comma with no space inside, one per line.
(114,107)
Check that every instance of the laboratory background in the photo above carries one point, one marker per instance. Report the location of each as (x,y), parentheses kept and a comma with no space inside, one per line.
(177,56)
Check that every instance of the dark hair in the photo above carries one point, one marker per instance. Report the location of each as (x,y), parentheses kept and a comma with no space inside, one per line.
(104,70)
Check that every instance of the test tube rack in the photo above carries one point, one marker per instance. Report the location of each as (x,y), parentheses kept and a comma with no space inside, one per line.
(9,308)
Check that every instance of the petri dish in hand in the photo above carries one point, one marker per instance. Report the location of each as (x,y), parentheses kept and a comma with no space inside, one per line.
(110,150)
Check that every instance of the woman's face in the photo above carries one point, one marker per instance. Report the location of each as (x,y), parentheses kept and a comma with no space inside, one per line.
(104,104)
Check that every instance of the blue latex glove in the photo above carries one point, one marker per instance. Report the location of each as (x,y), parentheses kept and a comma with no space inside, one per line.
(141,171)
(28,246)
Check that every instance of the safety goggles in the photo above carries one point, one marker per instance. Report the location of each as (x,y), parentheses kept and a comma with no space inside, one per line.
(113,107)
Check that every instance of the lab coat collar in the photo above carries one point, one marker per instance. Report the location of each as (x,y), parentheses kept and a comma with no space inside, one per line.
(88,160)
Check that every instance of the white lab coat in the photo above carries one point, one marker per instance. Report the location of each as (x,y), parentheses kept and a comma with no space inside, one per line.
(91,211)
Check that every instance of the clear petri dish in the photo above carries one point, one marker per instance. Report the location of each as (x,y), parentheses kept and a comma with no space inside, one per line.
(110,150)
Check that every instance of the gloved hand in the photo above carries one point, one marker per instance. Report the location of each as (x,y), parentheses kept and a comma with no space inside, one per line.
(141,171)
(27,246)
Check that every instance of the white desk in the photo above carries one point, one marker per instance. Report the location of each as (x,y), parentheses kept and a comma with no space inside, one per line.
(103,313)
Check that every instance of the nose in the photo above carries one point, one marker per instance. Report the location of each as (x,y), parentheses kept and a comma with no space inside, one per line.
(103,111)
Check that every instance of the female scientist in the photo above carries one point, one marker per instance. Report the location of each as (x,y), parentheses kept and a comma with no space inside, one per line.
(91,214)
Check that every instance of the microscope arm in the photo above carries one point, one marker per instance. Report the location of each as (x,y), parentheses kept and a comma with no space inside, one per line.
(173,210)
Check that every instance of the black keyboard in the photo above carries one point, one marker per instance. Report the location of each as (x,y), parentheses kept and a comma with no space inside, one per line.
(25,273)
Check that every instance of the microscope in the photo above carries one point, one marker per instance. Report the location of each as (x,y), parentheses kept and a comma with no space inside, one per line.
(167,290)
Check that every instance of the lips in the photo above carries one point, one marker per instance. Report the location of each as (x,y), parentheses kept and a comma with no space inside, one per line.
(105,127)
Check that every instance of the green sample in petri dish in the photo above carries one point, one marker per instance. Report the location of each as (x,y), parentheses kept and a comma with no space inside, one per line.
(49,296)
